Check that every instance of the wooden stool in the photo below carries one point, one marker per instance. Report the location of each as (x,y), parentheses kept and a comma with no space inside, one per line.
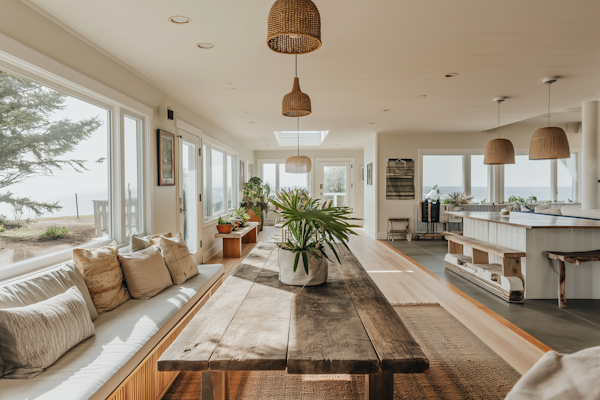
(573,258)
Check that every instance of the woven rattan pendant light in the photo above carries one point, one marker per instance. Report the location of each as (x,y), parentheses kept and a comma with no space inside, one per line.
(298,164)
(294,27)
(549,143)
(296,103)
(499,151)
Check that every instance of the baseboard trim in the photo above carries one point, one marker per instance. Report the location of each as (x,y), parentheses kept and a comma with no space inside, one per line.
(210,253)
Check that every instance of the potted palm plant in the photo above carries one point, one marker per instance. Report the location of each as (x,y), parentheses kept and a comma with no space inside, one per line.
(313,230)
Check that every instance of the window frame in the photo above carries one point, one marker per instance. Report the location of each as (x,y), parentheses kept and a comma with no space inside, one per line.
(20,60)
(207,147)
(277,162)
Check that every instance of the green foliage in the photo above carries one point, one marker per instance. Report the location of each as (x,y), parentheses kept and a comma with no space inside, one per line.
(256,196)
(56,232)
(457,198)
(31,144)
(446,201)
(239,215)
(312,227)
(483,201)
(516,199)
(533,198)
(223,221)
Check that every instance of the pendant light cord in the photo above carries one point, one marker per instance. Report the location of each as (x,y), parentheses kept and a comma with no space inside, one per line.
(498,128)
(549,83)
(296,56)
(298,126)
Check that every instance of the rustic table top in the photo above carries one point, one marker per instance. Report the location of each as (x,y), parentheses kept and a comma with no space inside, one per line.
(255,322)
(530,220)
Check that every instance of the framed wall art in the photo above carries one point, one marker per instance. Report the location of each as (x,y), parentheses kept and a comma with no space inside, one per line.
(369,173)
(242,175)
(166,158)
(362,173)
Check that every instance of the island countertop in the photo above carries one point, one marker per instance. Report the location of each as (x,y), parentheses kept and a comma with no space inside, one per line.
(530,220)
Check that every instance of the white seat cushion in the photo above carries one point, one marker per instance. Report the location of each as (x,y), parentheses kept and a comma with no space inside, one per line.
(571,211)
(124,336)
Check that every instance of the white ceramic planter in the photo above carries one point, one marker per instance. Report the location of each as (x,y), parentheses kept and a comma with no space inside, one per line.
(317,270)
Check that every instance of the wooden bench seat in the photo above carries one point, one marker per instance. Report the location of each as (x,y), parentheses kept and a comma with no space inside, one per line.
(575,258)
(504,280)
(485,247)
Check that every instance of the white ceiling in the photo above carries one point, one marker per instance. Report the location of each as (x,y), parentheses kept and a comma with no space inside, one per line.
(376,55)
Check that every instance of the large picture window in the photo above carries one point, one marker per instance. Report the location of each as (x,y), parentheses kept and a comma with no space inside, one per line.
(527,178)
(65,167)
(273,173)
(444,171)
(219,176)
(54,170)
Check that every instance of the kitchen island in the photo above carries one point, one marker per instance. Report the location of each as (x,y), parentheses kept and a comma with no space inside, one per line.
(531,234)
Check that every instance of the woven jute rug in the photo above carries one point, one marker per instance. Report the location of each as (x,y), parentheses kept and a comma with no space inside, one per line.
(461,367)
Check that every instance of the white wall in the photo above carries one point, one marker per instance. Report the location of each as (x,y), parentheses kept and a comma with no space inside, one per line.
(407,145)
(371,150)
(325,154)
(25,25)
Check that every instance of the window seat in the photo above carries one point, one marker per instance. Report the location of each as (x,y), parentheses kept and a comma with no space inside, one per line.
(124,338)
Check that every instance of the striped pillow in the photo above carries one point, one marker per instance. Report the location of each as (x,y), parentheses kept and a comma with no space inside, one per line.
(33,337)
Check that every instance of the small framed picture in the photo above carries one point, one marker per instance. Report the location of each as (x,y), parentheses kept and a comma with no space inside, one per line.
(369,173)
(362,173)
(166,158)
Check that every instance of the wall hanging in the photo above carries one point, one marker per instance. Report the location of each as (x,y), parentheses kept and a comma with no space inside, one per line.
(400,179)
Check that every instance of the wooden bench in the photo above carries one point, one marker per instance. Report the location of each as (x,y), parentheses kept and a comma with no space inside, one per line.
(575,258)
(504,280)
(232,242)
(256,323)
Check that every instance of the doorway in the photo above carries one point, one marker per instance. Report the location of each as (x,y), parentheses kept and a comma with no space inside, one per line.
(335,182)
(190,199)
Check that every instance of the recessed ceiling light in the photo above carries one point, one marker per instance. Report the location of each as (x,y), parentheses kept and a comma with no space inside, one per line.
(180,19)
(387,109)
(451,74)
(205,46)
(421,96)
(371,123)
(251,122)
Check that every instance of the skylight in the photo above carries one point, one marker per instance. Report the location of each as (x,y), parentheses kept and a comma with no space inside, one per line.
(307,138)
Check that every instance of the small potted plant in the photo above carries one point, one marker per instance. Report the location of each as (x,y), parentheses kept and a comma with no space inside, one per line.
(312,229)
(240,216)
(224,225)
(456,199)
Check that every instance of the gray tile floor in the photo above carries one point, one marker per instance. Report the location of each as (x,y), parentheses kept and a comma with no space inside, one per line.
(566,331)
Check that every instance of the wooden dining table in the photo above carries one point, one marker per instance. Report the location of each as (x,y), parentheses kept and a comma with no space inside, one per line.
(256,323)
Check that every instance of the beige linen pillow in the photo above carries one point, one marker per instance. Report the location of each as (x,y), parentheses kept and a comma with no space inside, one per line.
(145,273)
(177,256)
(154,238)
(139,243)
(103,276)
(33,337)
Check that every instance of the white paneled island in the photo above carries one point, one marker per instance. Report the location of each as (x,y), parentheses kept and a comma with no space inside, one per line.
(533,234)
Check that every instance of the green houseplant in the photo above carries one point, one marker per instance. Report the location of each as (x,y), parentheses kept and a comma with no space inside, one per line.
(312,230)
(224,225)
(256,198)
(240,216)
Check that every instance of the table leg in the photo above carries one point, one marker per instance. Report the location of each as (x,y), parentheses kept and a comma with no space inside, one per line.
(379,386)
(232,247)
(215,385)
(562,297)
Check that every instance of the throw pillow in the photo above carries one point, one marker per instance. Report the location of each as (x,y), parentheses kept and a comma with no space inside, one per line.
(154,238)
(540,208)
(103,276)
(551,211)
(139,243)
(145,273)
(33,337)
(177,256)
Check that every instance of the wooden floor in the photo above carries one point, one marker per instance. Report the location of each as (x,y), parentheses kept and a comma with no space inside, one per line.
(403,281)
